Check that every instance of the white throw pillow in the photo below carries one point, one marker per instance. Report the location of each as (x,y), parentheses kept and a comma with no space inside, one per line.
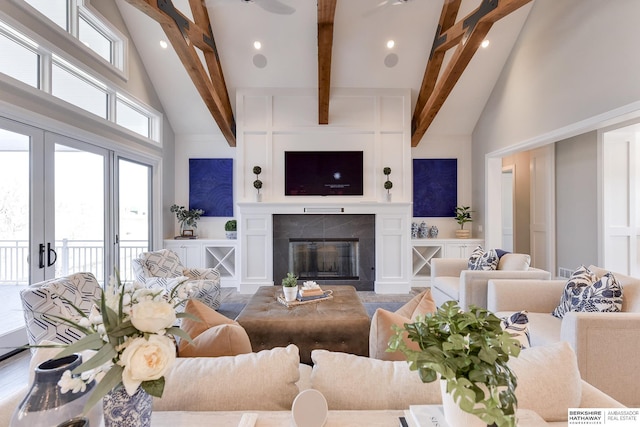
(351,382)
(548,380)
(263,381)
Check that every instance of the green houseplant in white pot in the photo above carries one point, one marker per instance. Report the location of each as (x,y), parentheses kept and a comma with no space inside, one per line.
(468,352)
(188,219)
(463,215)
(231,230)
(388,185)
(290,287)
(257,184)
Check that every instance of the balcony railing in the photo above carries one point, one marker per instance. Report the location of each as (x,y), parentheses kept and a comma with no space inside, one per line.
(73,256)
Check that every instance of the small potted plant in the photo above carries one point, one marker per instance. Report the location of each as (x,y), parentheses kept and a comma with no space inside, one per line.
(463,215)
(290,287)
(468,352)
(230,227)
(388,185)
(188,219)
(257,184)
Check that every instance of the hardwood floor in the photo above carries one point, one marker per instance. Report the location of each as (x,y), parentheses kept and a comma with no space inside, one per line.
(14,374)
(14,370)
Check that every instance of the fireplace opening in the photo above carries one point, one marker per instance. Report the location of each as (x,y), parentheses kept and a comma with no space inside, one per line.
(324,259)
(330,249)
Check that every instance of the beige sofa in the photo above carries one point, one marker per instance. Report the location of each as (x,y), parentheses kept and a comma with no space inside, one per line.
(270,380)
(451,280)
(607,344)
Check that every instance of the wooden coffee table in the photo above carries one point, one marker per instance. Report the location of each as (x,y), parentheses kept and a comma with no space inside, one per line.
(339,324)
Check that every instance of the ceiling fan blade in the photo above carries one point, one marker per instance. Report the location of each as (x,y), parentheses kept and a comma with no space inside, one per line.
(383,4)
(275,6)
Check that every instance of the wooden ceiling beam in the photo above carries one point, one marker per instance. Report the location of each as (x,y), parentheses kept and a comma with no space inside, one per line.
(185,36)
(447,19)
(466,35)
(326,15)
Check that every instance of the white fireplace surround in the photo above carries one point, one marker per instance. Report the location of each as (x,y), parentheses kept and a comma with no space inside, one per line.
(271,121)
(392,241)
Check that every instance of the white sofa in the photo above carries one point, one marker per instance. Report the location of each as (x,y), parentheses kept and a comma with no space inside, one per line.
(607,345)
(271,379)
(452,280)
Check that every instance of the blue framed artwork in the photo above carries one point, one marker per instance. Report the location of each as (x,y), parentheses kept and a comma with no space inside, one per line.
(211,186)
(435,187)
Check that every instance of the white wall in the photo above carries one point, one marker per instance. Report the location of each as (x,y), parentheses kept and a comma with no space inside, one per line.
(197,147)
(573,68)
(282,119)
(450,146)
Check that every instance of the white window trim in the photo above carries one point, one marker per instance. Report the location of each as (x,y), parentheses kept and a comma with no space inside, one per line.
(155,130)
(50,54)
(120,43)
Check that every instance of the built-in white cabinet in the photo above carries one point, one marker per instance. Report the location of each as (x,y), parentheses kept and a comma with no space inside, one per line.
(424,250)
(461,248)
(189,251)
(218,254)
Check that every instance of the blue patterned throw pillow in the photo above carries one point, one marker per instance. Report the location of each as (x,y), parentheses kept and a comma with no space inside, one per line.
(584,292)
(481,260)
(518,327)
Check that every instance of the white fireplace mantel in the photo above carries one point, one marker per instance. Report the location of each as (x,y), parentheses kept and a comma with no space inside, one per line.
(392,236)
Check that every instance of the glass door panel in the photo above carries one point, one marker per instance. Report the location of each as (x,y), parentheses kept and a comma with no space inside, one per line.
(79,211)
(15,229)
(134,201)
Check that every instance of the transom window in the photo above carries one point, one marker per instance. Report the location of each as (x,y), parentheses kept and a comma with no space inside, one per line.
(27,61)
(82,22)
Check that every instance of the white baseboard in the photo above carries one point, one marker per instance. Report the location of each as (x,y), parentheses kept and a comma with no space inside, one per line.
(392,288)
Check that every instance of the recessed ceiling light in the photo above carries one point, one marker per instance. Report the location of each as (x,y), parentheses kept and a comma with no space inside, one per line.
(257,45)
(163,44)
(391,44)
(484,43)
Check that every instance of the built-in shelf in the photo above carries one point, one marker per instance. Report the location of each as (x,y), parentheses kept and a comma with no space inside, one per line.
(207,253)
(425,250)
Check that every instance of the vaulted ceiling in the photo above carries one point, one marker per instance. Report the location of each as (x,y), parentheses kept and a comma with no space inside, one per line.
(324,44)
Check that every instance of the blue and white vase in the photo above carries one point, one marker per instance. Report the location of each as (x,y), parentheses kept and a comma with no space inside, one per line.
(122,410)
(433,232)
(45,404)
(414,230)
(423,230)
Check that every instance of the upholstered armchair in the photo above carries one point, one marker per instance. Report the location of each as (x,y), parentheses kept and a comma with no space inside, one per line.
(607,344)
(163,267)
(44,302)
(452,280)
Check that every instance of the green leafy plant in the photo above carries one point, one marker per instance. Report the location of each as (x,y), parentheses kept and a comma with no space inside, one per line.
(290,281)
(463,215)
(470,351)
(257,184)
(388,185)
(231,225)
(186,216)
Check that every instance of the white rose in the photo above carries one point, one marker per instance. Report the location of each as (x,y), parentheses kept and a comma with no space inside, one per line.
(152,316)
(146,360)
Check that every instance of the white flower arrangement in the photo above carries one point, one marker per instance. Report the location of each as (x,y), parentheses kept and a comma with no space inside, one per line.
(131,328)
(310,284)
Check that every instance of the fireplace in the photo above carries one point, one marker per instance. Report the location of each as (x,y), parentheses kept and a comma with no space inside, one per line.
(329,249)
(328,259)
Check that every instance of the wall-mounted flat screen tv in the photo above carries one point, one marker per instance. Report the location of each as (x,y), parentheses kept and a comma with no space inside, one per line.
(323,173)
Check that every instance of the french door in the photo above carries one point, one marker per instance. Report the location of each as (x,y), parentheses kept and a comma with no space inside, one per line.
(66,206)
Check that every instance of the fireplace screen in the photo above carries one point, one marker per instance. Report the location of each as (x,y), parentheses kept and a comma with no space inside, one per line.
(324,259)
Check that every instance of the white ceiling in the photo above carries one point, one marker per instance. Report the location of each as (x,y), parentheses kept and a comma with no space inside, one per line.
(289,43)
